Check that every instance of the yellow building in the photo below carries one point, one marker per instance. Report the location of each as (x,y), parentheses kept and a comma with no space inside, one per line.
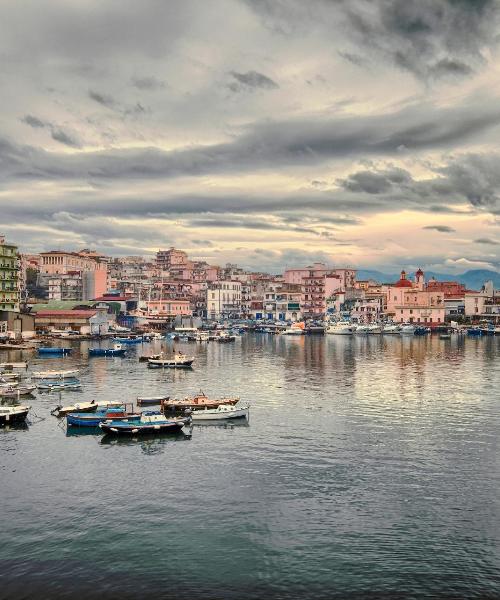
(9,276)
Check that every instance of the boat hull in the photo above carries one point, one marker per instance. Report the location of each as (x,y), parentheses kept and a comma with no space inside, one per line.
(93,420)
(126,429)
(212,415)
(16,417)
(170,364)
(152,401)
(54,351)
(106,352)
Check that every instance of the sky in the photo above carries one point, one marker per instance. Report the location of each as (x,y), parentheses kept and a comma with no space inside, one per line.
(270,133)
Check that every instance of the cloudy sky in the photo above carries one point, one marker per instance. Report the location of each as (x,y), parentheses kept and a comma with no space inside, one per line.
(265,132)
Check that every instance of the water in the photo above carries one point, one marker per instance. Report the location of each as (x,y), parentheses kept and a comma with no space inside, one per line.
(370,468)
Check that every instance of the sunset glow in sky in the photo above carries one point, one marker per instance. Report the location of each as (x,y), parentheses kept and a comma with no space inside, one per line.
(270,133)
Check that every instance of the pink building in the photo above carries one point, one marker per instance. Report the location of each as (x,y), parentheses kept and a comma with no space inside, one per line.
(412,302)
(169,308)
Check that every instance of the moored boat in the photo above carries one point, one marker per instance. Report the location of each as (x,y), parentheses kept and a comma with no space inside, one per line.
(128,340)
(145,358)
(150,422)
(151,400)
(374,329)
(55,374)
(14,365)
(92,419)
(17,391)
(13,414)
(198,401)
(79,407)
(116,350)
(178,360)
(222,412)
(391,328)
(407,329)
(53,351)
(294,329)
(59,384)
(341,328)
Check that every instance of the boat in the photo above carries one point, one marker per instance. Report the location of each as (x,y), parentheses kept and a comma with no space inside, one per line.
(13,414)
(294,329)
(202,336)
(198,401)
(9,377)
(116,350)
(61,411)
(407,329)
(374,329)
(54,351)
(362,329)
(421,330)
(59,384)
(92,419)
(151,400)
(391,328)
(14,365)
(222,412)
(179,360)
(224,337)
(54,374)
(149,422)
(17,392)
(475,331)
(341,328)
(128,340)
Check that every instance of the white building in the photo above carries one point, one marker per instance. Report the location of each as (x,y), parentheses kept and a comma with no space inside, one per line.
(224,299)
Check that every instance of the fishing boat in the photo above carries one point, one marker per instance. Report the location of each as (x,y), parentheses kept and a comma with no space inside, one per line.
(151,400)
(80,407)
(222,412)
(198,401)
(14,365)
(17,392)
(54,374)
(59,384)
(92,419)
(13,414)
(116,350)
(179,360)
(341,328)
(149,422)
(53,351)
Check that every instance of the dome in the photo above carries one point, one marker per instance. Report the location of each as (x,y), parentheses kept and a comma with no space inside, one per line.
(403,282)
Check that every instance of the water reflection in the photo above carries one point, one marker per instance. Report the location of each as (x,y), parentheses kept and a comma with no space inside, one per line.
(149,444)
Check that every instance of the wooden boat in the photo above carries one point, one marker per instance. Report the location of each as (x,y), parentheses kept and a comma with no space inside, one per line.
(59,384)
(151,400)
(13,414)
(61,411)
(92,419)
(222,412)
(17,392)
(198,401)
(116,350)
(54,374)
(14,365)
(177,361)
(54,351)
(150,422)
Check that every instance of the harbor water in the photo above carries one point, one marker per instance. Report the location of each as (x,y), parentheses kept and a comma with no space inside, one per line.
(369,468)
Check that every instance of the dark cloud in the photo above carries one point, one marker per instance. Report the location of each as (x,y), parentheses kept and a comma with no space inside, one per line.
(375,182)
(148,83)
(252,80)
(33,121)
(440,228)
(487,241)
(57,133)
(103,99)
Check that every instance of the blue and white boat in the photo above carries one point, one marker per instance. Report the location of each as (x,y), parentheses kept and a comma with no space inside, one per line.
(92,419)
(150,422)
(476,331)
(54,351)
(70,383)
(131,340)
(116,350)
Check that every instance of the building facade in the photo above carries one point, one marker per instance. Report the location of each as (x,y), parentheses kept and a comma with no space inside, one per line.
(9,276)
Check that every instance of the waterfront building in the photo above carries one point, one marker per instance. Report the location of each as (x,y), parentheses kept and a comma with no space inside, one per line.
(167,307)
(83,321)
(484,304)
(367,310)
(9,276)
(223,299)
(412,302)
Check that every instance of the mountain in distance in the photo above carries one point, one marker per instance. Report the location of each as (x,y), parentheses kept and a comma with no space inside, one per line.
(473,279)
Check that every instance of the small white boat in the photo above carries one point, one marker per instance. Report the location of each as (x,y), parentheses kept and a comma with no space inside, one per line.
(222,412)
(341,328)
(374,329)
(294,329)
(407,329)
(17,392)
(391,328)
(362,329)
(54,374)
(202,336)
(13,414)
(61,411)
(14,365)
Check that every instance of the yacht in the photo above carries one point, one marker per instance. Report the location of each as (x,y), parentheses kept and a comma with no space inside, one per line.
(362,329)
(374,328)
(341,328)
(407,329)
(392,328)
